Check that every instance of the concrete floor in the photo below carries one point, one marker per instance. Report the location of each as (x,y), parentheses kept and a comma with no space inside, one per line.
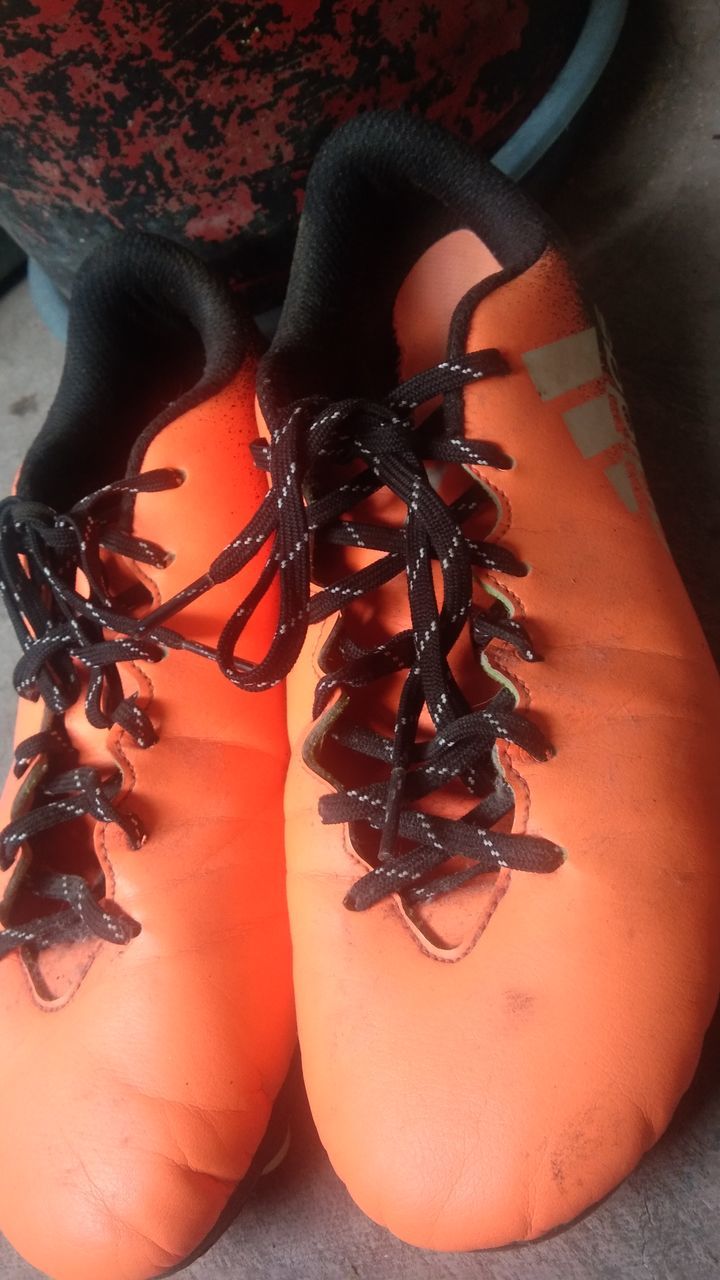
(639,202)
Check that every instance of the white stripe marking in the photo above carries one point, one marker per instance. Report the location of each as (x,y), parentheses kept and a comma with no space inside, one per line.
(592,426)
(563,365)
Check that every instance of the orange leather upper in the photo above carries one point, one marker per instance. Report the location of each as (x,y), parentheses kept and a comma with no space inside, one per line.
(487,1091)
(135,1099)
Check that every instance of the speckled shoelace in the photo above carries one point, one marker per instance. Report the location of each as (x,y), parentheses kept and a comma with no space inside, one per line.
(305,511)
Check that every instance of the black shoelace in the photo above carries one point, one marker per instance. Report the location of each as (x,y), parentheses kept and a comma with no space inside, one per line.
(305,508)
(60,628)
(63,632)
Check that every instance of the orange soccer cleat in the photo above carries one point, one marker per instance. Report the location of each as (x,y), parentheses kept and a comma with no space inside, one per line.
(145,990)
(502,806)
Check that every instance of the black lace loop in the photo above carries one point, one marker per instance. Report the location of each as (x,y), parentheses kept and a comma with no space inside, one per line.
(80,916)
(73,794)
(62,631)
(305,510)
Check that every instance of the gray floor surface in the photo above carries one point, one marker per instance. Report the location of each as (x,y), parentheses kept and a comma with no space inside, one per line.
(638,200)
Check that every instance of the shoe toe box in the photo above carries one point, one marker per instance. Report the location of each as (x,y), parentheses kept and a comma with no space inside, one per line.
(479,1099)
(131,1113)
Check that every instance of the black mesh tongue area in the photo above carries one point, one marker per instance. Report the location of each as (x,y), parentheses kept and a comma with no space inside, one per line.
(152,333)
